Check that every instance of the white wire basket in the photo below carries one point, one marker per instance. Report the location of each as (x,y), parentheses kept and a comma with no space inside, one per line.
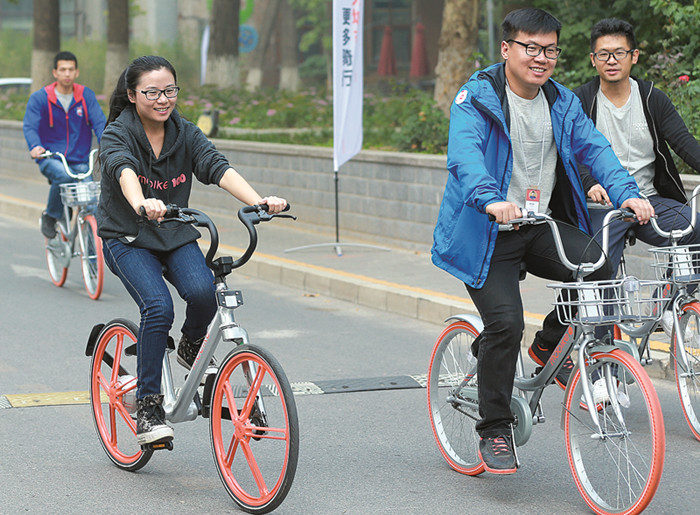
(679,264)
(80,193)
(628,300)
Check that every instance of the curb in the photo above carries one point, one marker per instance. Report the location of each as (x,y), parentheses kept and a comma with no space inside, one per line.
(425,305)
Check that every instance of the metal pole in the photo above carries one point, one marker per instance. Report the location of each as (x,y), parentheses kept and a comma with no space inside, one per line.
(337,216)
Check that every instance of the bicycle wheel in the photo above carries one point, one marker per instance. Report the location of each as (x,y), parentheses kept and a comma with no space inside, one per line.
(453,415)
(617,469)
(113,394)
(58,256)
(686,365)
(91,258)
(254,429)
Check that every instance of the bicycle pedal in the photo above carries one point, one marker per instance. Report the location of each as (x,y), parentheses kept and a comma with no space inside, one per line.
(165,443)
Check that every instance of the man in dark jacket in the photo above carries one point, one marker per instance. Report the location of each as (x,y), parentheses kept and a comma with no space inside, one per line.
(640,122)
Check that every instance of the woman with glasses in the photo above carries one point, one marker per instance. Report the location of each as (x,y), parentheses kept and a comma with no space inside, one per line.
(149,156)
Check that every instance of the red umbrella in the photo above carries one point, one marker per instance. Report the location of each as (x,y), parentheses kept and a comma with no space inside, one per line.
(419,57)
(387,58)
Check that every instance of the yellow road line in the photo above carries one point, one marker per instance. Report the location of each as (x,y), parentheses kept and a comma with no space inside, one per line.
(26,400)
(654,345)
(21,200)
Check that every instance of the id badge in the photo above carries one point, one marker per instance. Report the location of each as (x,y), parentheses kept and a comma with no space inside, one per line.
(532,200)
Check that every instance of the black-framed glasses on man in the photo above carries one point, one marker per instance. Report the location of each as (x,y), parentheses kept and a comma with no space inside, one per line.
(154,94)
(618,54)
(533,50)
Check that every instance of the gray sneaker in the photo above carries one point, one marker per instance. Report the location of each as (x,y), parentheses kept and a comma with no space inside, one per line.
(498,455)
(48,225)
(150,420)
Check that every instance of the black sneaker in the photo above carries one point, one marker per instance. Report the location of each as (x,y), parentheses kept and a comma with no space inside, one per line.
(541,356)
(48,226)
(150,420)
(187,351)
(497,454)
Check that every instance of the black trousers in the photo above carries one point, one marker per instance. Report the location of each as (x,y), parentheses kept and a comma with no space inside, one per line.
(501,309)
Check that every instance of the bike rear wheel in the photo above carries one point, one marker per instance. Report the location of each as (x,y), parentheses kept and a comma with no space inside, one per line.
(686,364)
(618,469)
(91,258)
(453,416)
(57,259)
(254,429)
(113,394)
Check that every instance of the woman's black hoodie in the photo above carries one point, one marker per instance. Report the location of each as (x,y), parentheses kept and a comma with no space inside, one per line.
(186,152)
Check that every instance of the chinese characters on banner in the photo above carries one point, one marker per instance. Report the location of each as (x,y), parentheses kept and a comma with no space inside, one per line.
(347,79)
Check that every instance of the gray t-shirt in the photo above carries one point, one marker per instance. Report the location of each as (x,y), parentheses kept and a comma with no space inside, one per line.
(534,150)
(627,131)
(65,100)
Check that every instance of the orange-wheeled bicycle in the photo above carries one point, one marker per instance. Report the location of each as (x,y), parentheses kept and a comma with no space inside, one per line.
(615,437)
(81,239)
(253,422)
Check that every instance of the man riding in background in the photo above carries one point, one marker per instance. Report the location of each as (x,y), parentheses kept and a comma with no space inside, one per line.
(61,117)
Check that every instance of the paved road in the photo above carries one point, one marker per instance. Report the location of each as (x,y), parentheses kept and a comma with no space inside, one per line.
(365,452)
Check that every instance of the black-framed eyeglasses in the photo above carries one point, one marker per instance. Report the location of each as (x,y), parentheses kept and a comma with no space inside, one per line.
(533,50)
(154,94)
(618,54)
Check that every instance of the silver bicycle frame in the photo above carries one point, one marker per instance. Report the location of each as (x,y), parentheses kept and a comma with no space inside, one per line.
(179,403)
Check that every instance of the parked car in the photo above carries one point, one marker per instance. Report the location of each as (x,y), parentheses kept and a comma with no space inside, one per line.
(15,84)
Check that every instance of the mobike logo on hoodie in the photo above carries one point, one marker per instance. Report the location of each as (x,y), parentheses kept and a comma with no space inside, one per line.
(163,185)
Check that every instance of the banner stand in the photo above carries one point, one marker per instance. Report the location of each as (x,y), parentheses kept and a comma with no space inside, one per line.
(348,80)
(337,245)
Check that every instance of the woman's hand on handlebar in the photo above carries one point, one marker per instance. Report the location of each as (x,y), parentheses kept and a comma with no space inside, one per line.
(504,212)
(153,209)
(641,207)
(275,204)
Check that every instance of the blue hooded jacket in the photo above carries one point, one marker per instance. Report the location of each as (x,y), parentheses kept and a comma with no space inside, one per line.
(46,123)
(480,163)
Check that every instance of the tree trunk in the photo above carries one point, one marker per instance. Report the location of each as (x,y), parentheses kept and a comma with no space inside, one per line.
(289,72)
(257,56)
(191,21)
(222,57)
(117,57)
(458,42)
(47,41)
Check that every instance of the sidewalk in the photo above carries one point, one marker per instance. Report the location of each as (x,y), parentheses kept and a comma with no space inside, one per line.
(386,279)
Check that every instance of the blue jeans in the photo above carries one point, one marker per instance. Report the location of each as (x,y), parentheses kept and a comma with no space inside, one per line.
(670,214)
(141,272)
(53,170)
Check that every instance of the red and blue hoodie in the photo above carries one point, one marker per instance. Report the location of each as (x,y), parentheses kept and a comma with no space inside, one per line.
(46,123)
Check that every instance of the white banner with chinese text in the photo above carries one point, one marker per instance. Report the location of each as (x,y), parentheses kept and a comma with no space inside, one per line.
(347,79)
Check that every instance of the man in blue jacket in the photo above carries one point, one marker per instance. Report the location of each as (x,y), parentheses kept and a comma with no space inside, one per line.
(61,118)
(515,138)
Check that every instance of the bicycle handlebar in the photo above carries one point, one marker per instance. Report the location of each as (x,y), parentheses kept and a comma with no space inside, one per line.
(677,234)
(78,176)
(250,216)
(582,268)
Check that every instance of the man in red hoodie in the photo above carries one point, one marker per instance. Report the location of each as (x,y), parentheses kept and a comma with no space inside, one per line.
(61,117)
